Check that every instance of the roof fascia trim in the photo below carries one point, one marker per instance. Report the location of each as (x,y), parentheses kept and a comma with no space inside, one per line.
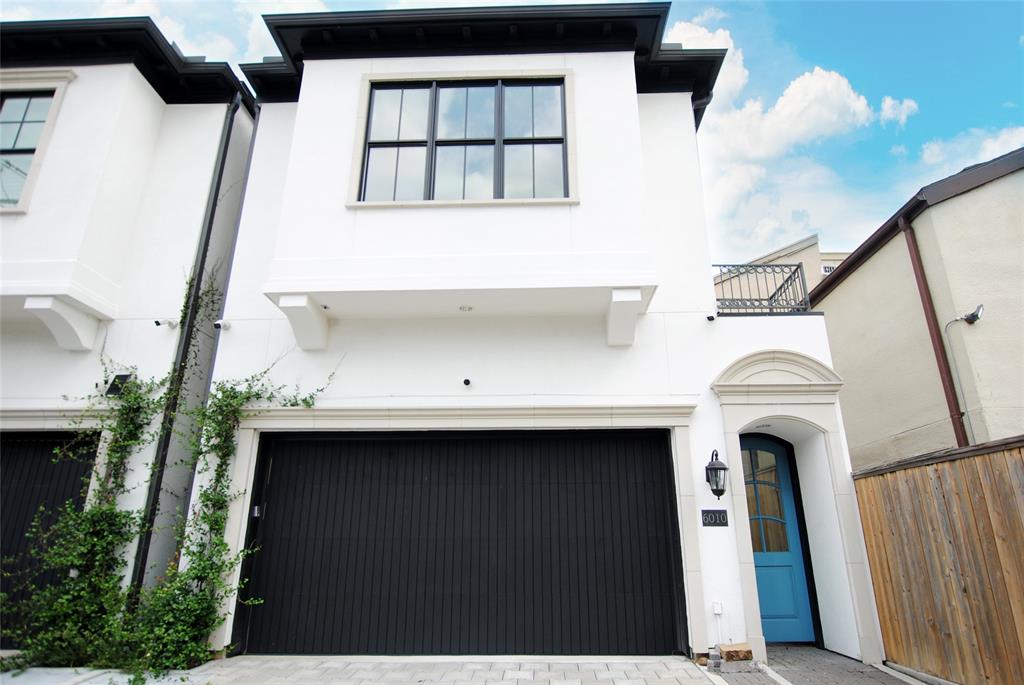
(658,68)
(148,43)
(928,196)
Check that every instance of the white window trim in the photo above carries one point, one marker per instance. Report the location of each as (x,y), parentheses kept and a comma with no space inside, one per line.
(57,80)
(571,143)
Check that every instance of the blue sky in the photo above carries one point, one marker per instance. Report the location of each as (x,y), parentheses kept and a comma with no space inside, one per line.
(828,115)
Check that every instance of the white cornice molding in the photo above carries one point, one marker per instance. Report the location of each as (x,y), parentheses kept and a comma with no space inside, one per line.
(47,419)
(31,78)
(618,416)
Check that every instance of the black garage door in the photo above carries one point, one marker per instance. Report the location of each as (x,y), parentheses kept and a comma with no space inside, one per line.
(464,543)
(31,480)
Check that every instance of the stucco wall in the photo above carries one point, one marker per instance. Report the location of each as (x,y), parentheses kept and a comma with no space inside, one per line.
(638,189)
(892,398)
(972,247)
(122,190)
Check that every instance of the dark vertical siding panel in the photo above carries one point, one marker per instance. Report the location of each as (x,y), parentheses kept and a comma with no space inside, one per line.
(486,543)
(323,506)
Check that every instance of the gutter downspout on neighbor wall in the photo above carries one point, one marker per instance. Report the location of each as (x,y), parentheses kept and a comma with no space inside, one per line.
(956,415)
(181,356)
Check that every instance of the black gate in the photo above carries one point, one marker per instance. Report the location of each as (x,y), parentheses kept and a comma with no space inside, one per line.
(32,481)
(465,543)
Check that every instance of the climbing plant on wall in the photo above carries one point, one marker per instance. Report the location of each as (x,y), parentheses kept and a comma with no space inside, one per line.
(89,616)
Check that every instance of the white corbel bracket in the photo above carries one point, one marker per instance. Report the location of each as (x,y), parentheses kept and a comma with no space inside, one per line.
(309,323)
(625,305)
(72,328)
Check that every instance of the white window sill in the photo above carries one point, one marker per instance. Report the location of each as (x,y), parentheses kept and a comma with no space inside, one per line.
(17,209)
(422,204)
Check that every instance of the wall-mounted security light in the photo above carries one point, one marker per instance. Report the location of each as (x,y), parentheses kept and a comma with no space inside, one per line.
(973,317)
(714,474)
(222,325)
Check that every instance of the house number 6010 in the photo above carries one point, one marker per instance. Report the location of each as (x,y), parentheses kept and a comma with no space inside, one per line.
(714,517)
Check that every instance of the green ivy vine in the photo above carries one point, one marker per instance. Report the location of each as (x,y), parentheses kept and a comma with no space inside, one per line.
(73,607)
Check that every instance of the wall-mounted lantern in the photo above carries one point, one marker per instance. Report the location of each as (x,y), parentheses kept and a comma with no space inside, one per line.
(714,474)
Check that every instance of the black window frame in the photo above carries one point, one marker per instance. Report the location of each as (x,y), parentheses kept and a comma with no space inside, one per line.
(14,93)
(498,141)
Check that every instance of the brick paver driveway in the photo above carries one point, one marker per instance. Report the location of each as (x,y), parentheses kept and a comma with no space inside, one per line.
(264,670)
(341,670)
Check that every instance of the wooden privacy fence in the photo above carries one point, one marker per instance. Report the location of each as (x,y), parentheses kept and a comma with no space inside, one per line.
(945,540)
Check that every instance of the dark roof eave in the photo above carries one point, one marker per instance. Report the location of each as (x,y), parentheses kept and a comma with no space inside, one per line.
(637,27)
(968,179)
(122,40)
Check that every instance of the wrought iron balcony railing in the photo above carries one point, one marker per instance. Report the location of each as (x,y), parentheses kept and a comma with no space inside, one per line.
(761,289)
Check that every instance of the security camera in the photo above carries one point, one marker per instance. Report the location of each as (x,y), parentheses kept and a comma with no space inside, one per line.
(711,317)
(465,381)
(221,325)
(170,323)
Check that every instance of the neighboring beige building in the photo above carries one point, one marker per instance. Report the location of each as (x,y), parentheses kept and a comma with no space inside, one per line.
(919,376)
(775,279)
(817,264)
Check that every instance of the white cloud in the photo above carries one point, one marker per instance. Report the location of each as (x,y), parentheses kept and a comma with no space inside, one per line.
(20,13)
(817,104)
(898,151)
(798,196)
(897,110)
(762,189)
(709,16)
(944,157)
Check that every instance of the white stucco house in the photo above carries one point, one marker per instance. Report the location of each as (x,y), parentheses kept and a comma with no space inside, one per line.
(483,231)
(489,225)
(120,179)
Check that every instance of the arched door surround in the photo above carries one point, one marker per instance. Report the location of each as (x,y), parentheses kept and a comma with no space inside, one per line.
(795,397)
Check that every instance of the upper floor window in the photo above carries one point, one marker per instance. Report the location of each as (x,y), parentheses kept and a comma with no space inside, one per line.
(22,119)
(465,140)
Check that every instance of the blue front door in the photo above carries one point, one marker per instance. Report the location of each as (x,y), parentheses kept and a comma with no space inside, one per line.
(775,536)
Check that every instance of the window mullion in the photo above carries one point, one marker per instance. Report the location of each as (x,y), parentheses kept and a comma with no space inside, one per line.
(533,147)
(428,176)
(565,146)
(366,148)
(499,141)
(465,154)
(398,148)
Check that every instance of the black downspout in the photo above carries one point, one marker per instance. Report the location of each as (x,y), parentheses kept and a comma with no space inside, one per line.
(228,266)
(181,356)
